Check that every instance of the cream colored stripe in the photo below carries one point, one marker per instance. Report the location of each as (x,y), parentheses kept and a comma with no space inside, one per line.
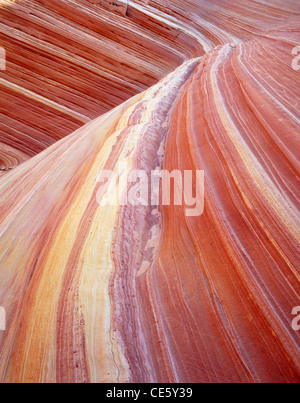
(43,100)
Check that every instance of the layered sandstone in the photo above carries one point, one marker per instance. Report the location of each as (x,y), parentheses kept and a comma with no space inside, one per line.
(115,293)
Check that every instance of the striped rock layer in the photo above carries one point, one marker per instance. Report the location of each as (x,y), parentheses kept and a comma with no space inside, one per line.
(111,292)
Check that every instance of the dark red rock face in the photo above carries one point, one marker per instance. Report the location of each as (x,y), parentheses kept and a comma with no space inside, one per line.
(102,291)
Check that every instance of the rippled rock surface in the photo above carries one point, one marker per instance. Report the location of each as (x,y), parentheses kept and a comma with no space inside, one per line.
(96,292)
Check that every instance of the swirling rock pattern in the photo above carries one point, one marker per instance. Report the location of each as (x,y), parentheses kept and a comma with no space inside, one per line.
(116,293)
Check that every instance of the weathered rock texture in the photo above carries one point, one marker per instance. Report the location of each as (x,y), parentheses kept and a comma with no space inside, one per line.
(121,293)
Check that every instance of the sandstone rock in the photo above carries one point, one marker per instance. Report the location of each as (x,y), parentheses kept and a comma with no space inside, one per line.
(116,293)
(118,6)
